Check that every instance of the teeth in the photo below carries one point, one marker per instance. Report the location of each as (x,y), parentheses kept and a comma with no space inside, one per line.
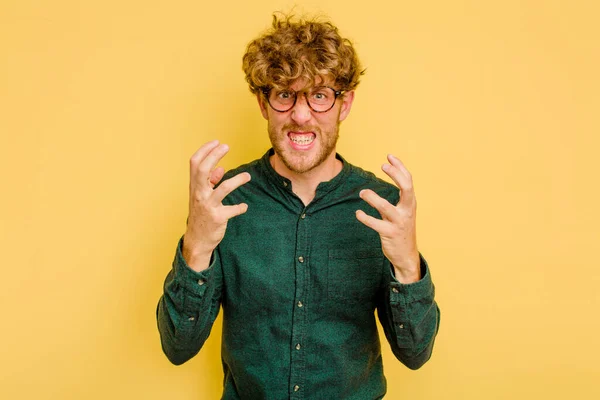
(302,139)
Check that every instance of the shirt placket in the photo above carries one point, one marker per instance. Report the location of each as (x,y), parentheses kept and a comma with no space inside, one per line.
(302,262)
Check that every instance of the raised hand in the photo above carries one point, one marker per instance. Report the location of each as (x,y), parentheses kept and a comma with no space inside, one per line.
(397,228)
(208,217)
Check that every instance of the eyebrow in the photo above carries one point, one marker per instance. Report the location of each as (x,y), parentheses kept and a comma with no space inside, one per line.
(308,89)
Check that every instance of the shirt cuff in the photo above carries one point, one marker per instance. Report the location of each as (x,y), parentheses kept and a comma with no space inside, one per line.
(195,282)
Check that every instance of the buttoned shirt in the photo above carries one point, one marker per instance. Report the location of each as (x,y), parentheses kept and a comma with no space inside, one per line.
(299,286)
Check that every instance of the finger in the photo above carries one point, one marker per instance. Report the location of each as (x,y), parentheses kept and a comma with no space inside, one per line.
(216,175)
(407,194)
(396,162)
(401,172)
(235,210)
(229,186)
(377,225)
(203,151)
(401,177)
(387,210)
(212,158)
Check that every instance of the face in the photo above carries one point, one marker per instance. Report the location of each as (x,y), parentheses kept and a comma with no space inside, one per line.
(302,138)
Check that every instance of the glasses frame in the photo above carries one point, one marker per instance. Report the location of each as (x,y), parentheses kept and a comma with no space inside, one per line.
(337,93)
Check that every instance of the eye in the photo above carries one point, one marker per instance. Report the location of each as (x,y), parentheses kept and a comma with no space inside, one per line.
(284,95)
(320,95)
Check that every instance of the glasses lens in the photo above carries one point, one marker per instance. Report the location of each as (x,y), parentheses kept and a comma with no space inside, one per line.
(282,100)
(321,99)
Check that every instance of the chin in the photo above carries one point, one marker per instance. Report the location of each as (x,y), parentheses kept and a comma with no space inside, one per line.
(303,164)
(298,165)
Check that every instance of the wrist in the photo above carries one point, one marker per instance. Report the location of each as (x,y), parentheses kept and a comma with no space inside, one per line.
(407,277)
(196,256)
(408,272)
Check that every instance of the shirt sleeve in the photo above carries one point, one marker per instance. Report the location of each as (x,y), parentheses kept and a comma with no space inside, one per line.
(409,316)
(188,307)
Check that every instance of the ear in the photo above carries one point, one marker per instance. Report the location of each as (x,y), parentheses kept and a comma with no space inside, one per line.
(347,100)
(263,105)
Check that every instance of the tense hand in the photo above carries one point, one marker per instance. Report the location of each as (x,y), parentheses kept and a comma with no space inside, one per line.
(208,217)
(397,228)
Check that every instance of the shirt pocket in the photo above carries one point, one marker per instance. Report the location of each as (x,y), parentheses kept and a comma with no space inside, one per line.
(354,274)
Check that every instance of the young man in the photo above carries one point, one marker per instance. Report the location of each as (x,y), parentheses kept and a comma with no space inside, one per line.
(300,247)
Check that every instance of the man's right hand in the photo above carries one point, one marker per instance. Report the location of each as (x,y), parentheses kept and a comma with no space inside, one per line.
(208,217)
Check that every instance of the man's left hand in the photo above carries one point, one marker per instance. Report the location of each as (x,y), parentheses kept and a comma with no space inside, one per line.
(397,228)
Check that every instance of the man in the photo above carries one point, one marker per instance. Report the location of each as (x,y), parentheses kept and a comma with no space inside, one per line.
(300,247)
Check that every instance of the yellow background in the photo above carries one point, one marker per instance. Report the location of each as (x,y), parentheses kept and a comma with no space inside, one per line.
(493,106)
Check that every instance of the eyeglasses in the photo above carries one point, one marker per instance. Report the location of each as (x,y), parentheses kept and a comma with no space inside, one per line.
(320,99)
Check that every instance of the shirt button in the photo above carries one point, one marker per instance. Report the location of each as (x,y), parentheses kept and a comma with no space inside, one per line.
(191,318)
(303,216)
(300,304)
(201,282)
(394,290)
(285,183)
(401,326)
(301,259)
(298,346)
(296,388)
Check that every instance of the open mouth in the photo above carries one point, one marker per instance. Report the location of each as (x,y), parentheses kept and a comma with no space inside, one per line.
(302,139)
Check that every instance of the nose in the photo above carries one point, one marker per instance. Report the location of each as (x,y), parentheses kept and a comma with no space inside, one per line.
(301,112)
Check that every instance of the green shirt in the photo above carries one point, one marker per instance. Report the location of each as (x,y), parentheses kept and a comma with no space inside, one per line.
(299,286)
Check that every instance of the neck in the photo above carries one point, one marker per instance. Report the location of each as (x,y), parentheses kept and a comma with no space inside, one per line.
(304,184)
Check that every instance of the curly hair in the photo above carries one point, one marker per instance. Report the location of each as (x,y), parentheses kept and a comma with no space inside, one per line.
(303,48)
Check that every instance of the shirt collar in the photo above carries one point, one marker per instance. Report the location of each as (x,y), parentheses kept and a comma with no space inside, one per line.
(323,187)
